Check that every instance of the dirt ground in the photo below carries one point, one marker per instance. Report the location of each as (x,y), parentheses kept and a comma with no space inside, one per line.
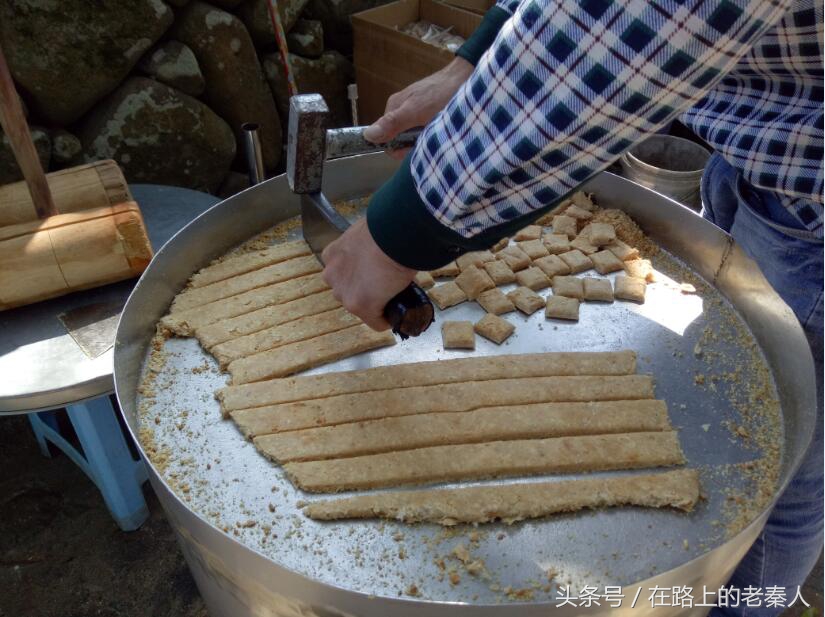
(61,555)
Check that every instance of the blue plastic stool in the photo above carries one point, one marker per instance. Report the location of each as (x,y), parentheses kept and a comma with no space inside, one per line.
(104,456)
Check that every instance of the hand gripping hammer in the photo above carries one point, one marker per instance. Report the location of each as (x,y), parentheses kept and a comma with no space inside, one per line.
(309,144)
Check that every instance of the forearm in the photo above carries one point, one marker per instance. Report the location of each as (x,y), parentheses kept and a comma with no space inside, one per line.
(404,227)
(542,113)
(397,217)
(482,39)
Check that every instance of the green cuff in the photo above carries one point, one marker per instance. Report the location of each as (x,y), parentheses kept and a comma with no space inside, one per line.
(482,39)
(403,227)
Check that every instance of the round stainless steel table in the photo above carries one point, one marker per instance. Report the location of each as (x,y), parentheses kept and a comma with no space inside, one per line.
(285,565)
(45,366)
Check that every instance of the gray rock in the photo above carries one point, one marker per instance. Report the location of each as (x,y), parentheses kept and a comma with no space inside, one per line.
(306,38)
(235,84)
(335,16)
(159,135)
(255,14)
(9,170)
(66,148)
(174,64)
(328,76)
(235,182)
(68,54)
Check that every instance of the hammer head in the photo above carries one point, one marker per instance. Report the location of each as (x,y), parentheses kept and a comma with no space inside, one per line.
(306,142)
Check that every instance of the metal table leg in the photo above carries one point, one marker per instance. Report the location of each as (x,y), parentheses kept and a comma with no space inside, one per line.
(40,421)
(104,457)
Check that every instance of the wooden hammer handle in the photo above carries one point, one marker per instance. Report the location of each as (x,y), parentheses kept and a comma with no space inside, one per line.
(410,312)
(17,130)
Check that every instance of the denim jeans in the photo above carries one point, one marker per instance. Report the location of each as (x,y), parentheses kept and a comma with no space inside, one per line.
(791,260)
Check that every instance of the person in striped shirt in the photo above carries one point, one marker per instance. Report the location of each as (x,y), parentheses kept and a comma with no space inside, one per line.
(545,94)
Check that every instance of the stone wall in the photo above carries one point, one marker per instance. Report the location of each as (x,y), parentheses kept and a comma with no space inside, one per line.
(162,86)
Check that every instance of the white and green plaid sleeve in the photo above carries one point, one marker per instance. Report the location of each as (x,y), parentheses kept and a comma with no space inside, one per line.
(487,31)
(564,89)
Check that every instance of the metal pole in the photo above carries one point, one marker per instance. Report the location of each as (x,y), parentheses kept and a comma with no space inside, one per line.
(252,148)
(352,95)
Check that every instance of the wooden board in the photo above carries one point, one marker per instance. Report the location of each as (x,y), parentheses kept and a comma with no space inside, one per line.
(86,187)
(69,252)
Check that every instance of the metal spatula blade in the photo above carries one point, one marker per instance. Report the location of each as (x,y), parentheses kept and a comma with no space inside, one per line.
(322,224)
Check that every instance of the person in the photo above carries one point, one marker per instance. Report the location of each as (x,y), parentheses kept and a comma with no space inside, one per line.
(545,94)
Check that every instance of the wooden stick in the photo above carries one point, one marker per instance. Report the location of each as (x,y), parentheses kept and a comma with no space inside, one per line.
(17,130)
(280,38)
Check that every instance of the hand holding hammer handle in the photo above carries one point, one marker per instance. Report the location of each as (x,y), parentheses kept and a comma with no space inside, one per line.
(16,129)
(350,141)
(409,312)
(309,144)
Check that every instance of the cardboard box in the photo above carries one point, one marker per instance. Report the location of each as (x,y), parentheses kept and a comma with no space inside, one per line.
(476,6)
(387,60)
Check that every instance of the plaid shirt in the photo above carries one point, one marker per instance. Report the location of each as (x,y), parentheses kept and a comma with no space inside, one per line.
(568,86)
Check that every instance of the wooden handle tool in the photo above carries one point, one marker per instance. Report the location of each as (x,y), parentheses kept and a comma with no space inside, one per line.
(17,130)
(88,243)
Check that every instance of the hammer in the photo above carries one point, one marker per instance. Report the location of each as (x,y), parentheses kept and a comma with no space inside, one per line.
(310,143)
